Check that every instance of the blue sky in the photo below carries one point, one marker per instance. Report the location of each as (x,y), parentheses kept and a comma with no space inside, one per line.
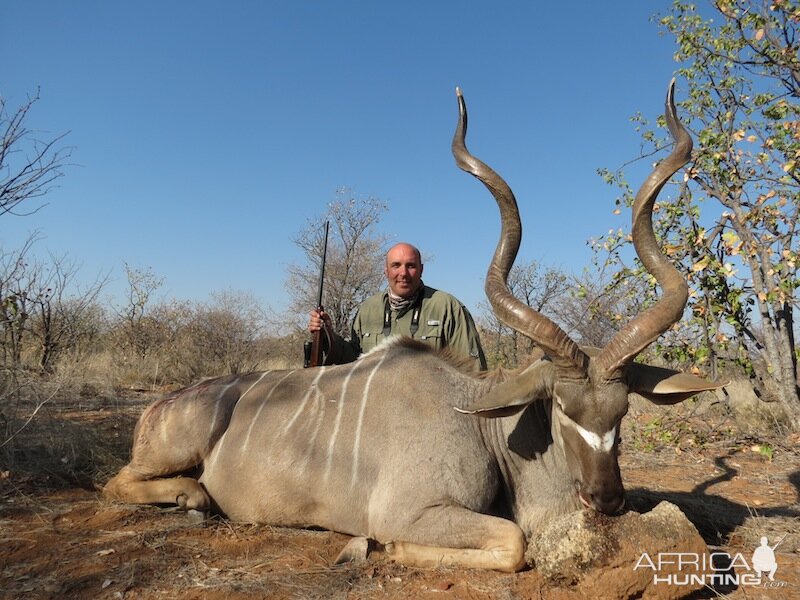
(207,134)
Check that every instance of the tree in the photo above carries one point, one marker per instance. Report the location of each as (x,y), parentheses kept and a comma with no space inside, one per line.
(593,310)
(63,314)
(354,267)
(543,289)
(226,332)
(43,315)
(15,304)
(139,330)
(43,311)
(733,222)
(29,166)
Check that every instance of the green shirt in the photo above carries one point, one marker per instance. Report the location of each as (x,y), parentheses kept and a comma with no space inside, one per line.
(443,323)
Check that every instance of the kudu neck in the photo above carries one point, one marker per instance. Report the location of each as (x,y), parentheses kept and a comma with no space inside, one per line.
(530,457)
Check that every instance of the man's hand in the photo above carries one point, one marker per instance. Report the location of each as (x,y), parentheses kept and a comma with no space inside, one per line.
(320,318)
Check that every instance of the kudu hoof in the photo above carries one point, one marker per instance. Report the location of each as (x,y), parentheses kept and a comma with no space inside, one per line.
(356,551)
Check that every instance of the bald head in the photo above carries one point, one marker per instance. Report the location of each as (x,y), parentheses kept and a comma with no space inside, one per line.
(403,269)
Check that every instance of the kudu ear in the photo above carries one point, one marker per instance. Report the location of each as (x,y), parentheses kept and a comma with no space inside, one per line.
(510,397)
(665,386)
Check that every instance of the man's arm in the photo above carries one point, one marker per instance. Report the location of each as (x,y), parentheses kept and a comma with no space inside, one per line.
(345,351)
(337,349)
(464,339)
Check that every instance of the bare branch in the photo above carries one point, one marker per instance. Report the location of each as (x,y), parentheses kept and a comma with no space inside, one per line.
(29,166)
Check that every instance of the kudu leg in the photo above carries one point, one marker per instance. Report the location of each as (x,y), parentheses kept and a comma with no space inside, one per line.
(458,537)
(131,485)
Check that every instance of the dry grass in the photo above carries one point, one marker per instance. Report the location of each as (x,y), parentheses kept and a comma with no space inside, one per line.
(72,441)
(782,530)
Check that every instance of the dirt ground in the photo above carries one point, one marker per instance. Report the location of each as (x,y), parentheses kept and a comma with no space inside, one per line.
(60,539)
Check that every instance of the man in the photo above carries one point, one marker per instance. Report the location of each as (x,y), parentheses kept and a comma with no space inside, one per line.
(408,307)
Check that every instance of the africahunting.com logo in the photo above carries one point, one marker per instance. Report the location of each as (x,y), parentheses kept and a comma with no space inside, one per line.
(715,569)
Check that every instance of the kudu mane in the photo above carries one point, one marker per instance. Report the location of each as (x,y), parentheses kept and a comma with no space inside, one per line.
(462,364)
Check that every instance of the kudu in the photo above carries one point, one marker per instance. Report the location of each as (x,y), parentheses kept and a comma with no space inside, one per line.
(374,448)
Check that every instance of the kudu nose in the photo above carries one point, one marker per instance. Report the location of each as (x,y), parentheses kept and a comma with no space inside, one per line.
(608,502)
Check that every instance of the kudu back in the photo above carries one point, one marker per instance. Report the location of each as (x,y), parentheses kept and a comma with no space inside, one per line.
(375,448)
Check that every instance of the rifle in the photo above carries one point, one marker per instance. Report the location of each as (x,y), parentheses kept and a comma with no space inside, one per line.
(313,352)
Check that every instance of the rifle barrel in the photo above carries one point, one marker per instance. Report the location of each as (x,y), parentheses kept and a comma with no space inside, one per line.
(314,352)
(322,266)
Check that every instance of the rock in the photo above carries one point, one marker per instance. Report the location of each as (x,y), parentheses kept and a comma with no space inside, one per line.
(442,586)
(749,410)
(196,517)
(618,557)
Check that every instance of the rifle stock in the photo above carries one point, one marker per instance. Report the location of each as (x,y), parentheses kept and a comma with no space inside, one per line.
(317,357)
(314,352)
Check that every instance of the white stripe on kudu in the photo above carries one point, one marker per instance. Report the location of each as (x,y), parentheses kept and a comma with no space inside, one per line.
(257,381)
(261,405)
(600,443)
(212,457)
(217,404)
(312,442)
(362,410)
(165,432)
(339,410)
(302,407)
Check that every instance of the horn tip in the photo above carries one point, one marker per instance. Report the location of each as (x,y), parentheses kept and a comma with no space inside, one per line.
(458,92)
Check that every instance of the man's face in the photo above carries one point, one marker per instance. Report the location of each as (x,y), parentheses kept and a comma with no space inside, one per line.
(403,270)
